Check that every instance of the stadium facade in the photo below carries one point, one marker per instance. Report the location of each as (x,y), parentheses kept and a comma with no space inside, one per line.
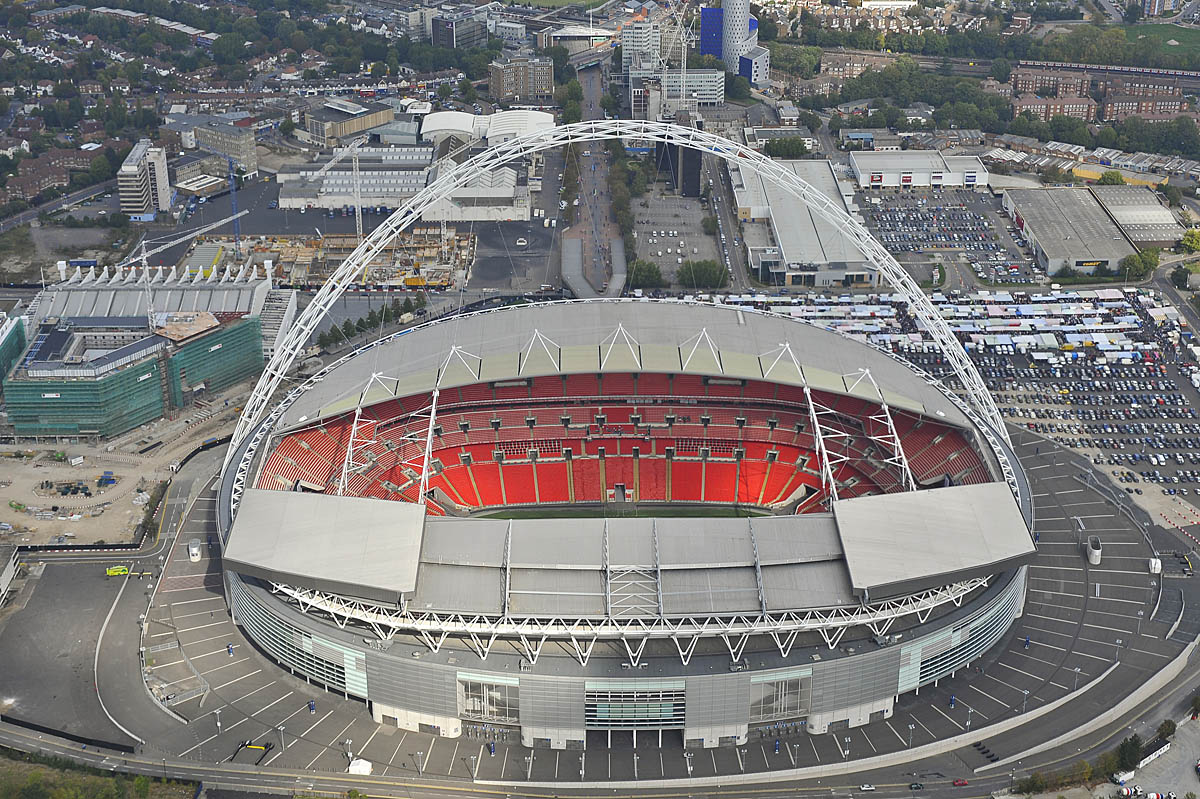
(878,545)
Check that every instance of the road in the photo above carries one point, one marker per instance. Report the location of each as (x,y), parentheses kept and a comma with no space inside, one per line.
(716,175)
(593,217)
(67,199)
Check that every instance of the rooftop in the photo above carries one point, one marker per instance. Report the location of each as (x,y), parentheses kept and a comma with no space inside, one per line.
(1070,224)
(1139,213)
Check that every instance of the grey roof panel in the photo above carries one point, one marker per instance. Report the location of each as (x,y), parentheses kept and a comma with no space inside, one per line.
(286,536)
(807,585)
(898,543)
(546,592)
(808,537)
(558,544)
(458,589)
(692,543)
(479,543)
(691,591)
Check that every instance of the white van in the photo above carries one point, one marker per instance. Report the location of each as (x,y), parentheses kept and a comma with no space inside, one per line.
(194,550)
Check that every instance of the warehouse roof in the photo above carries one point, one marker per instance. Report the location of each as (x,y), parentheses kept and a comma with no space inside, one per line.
(1070,224)
(803,237)
(1139,214)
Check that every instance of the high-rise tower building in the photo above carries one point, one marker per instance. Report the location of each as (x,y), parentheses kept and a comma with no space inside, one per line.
(731,34)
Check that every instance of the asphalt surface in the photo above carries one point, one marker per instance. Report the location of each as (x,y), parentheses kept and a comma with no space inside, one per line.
(1067,625)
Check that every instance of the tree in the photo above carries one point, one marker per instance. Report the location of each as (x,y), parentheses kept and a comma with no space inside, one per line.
(1111,177)
(141,785)
(1129,752)
(323,340)
(378,70)
(1174,196)
(1191,243)
(1139,264)
(227,49)
(737,87)
(1001,70)
(1133,13)
(793,147)
(467,89)
(1166,729)
(702,275)
(349,331)
(335,334)
(572,112)
(645,275)
(709,223)
(408,306)
(287,127)
(445,91)
(100,169)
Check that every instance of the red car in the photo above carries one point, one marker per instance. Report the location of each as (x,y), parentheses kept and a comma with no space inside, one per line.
(960,782)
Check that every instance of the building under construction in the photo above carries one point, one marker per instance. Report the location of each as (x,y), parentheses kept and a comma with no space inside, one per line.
(111,352)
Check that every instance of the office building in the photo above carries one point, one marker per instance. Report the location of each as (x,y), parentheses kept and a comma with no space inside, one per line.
(335,122)
(731,34)
(142,182)
(641,48)
(522,78)
(459,33)
(917,169)
(231,142)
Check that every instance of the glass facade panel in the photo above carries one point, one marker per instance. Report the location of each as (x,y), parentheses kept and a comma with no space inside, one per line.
(483,701)
(780,699)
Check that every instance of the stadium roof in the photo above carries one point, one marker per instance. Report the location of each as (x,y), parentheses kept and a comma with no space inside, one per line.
(618,336)
(905,542)
(359,546)
(873,547)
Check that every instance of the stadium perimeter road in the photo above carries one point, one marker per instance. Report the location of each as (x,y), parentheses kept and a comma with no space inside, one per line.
(1076,617)
(48,664)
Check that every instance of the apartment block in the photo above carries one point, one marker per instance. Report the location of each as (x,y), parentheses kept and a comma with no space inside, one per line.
(142,182)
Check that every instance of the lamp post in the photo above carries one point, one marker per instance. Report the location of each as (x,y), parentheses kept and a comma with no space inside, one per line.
(1024,700)
(687,758)
(970,710)
(474,763)
(217,716)
(420,756)
(1076,688)
(911,727)
(282,742)
(635,762)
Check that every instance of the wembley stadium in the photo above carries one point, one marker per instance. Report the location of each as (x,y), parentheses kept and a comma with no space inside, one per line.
(593,520)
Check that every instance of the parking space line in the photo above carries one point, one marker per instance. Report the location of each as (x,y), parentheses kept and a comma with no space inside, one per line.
(315,723)
(810,740)
(918,721)
(401,743)
(943,715)
(204,599)
(864,732)
(237,679)
(223,666)
(893,729)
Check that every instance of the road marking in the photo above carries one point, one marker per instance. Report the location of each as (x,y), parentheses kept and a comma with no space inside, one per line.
(318,721)
(211,598)
(237,679)
(893,729)
(942,713)
(398,745)
(811,740)
(197,746)
(979,690)
(864,732)
(223,666)
(918,721)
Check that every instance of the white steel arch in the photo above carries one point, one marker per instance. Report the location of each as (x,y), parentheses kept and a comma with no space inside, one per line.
(973,387)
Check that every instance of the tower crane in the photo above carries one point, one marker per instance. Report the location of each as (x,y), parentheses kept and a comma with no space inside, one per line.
(143,254)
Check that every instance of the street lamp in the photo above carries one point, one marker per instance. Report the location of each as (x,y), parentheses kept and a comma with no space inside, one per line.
(970,710)
(1141,613)
(687,758)
(217,716)
(282,743)
(846,753)
(420,770)
(1076,688)
(911,727)
(635,762)
(474,761)
(1024,699)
